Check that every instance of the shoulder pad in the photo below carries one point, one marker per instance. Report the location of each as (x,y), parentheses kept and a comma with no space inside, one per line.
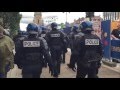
(44,42)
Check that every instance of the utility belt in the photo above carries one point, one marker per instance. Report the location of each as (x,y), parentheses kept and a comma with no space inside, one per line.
(33,58)
(57,47)
(88,64)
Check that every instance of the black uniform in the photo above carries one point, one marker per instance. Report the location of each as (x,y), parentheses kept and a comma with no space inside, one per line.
(43,34)
(73,58)
(90,55)
(65,48)
(32,50)
(17,40)
(56,42)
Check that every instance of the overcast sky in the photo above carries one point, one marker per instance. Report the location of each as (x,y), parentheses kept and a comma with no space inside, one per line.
(27,17)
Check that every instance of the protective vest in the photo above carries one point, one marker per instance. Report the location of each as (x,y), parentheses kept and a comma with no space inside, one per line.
(32,51)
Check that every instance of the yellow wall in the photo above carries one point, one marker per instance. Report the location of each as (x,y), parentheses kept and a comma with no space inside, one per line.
(114,25)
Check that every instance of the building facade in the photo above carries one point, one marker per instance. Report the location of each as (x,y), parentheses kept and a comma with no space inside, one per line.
(111,16)
(38,18)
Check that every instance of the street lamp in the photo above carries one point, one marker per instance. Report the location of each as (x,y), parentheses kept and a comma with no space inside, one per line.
(66,16)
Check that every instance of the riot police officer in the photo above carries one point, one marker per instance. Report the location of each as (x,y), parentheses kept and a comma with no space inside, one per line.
(32,49)
(56,42)
(90,52)
(65,48)
(72,37)
(43,34)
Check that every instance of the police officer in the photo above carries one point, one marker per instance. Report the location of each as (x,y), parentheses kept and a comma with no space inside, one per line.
(72,37)
(43,34)
(32,49)
(56,42)
(90,52)
(65,48)
(6,54)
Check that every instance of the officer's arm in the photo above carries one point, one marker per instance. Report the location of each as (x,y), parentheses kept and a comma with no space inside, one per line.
(19,55)
(64,42)
(100,48)
(100,54)
(47,38)
(45,51)
(71,36)
(79,45)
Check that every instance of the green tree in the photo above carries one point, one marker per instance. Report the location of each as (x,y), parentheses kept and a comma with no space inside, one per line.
(11,20)
(62,25)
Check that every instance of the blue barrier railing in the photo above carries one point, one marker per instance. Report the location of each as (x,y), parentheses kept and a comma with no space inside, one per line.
(115,49)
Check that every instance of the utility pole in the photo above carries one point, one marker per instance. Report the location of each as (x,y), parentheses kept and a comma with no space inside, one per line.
(66,17)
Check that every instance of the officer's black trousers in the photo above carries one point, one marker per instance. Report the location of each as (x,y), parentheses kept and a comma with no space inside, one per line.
(56,55)
(32,71)
(63,57)
(73,59)
(83,70)
(44,62)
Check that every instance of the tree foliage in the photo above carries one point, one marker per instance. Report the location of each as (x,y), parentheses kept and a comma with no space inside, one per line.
(11,21)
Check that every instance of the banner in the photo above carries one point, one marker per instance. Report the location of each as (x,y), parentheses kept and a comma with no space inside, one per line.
(106,29)
(115,49)
(97,25)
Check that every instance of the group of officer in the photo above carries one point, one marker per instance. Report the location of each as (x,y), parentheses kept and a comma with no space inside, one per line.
(37,49)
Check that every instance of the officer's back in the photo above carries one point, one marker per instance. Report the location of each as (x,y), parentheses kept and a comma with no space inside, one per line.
(55,38)
(90,52)
(56,42)
(32,49)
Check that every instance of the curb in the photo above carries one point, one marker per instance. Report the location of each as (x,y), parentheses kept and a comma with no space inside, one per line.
(108,63)
(112,68)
